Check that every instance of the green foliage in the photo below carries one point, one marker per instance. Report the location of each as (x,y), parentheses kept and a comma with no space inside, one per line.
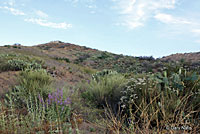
(81,58)
(45,112)
(63,59)
(56,105)
(31,83)
(14,46)
(46,47)
(17,64)
(148,58)
(103,55)
(163,98)
(169,95)
(8,46)
(103,73)
(37,117)
(104,87)
(13,62)
(35,80)
(87,70)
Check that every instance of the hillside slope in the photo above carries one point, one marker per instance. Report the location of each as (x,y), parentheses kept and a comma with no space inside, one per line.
(69,63)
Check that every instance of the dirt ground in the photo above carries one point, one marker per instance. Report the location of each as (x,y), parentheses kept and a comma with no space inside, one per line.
(7,80)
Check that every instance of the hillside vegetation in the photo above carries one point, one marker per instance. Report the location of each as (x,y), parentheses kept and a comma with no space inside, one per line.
(64,88)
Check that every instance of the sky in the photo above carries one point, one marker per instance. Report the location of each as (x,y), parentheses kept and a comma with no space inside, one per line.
(130,27)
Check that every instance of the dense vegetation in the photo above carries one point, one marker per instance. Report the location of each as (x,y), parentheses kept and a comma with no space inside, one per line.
(114,93)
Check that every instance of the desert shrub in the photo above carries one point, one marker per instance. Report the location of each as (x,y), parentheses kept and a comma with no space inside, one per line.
(17,64)
(63,59)
(14,46)
(87,70)
(157,100)
(103,55)
(13,62)
(31,83)
(82,58)
(104,87)
(8,46)
(46,47)
(148,58)
(35,80)
(97,76)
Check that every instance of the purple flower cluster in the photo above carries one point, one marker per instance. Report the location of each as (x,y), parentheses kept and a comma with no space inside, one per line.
(41,99)
(56,98)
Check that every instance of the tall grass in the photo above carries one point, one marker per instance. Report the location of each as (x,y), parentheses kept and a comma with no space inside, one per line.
(104,88)
(35,81)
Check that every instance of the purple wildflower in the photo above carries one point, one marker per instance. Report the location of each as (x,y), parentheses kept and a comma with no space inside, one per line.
(50,96)
(49,101)
(61,93)
(67,101)
(40,99)
(88,81)
(56,98)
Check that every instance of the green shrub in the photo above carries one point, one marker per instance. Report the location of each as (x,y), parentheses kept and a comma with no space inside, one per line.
(104,88)
(82,58)
(8,46)
(14,46)
(65,59)
(13,62)
(97,76)
(31,83)
(88,70)
(148,58)
(35,80)
(103,55)
(157,100)
(17,64)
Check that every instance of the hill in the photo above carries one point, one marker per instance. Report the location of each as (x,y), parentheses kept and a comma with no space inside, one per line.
(60,87)
(72,63)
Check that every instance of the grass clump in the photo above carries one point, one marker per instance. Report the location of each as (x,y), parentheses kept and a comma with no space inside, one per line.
(105,86)
(35,81)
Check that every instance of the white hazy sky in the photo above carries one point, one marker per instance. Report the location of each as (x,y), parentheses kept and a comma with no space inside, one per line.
(131,27)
